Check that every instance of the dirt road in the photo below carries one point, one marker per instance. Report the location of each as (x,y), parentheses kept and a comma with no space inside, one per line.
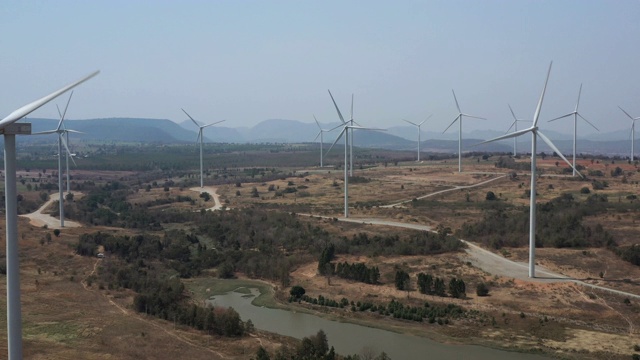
(40,219)
(445,191)
(213,192)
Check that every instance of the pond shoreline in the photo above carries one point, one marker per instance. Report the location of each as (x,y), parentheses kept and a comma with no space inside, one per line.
(269,298)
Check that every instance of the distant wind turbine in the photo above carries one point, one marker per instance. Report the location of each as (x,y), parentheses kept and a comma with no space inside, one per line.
(61,131)
(320,133)
(345,131)
(14,316)
(535,133)
(575,114)
(200,137)
(418,126)
(459,119)
(633,130)
(514,125)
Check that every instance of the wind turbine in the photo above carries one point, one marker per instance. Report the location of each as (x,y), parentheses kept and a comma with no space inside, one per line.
(61,141)
(200,137)
(351,123)
(418,126)
(515,124)
(633,129)
(575,114)
(320,133)
(345,131)
(459,119)
(14,316)
(535,133)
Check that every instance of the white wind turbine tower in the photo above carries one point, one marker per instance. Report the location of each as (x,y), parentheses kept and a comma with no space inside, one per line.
(345,131)
(61,141)
(418,126)
(633,129)
(514,125)
(535,133)
(9,130)
(575,114)
(200,137)
(459,119)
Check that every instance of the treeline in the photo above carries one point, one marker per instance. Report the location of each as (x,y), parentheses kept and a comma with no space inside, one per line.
(418,243)
(358,272)
(442,314)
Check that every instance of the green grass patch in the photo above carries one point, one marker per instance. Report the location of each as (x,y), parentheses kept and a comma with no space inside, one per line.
(61,332)
(199,286)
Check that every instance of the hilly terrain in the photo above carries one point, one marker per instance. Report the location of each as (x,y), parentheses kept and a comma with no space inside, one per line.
(164,131)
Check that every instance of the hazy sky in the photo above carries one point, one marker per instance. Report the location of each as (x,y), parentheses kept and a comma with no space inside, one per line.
(247,61)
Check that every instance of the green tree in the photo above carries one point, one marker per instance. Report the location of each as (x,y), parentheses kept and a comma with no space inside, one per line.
(262,354)
(490,196)
(402,280)
(297,291)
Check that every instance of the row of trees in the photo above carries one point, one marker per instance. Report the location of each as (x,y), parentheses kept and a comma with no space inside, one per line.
(358,272)
(427,284)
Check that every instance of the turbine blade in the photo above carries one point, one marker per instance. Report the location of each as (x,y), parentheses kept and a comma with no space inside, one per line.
(588,122)
(45,132)
(338,138)
(217,122)
(456,99)
(506,136)
(317,136)
(335,127)
(561,117)
(630,117)
(512,113)
(412,123)
(544,89)
(579,93)
(317,123)
(195,122)
(74,131)
(554,148)
(454,121)
(512,125)
(336,105)
(27,109)
(365,128)
(67,148)
(351,106)
(425,120)
(475,117)
(64,114)
(59,113)
(355,122)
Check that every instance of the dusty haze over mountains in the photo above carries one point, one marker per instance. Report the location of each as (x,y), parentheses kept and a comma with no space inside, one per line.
(249,61)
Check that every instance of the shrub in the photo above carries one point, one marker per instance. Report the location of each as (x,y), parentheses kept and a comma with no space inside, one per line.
(297,291)
(585,190)
(491,196)
(482,289)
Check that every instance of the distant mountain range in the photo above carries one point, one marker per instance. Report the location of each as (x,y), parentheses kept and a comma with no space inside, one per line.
(138,130)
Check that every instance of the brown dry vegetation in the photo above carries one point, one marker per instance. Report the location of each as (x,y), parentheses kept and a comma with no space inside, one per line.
(65,317)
